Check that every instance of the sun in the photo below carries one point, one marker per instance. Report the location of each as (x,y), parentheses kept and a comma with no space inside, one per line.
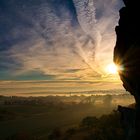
(112,69)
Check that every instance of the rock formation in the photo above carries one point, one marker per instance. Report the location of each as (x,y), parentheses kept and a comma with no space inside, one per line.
(127,54)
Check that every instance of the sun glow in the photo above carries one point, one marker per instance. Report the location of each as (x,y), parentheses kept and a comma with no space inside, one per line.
(112,69)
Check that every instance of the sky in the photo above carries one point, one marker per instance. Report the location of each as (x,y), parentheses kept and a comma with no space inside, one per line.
(44,88)
(57,39)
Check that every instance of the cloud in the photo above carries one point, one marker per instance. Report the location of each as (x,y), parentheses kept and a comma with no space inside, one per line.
(107,17)
(67,39)
(39,88)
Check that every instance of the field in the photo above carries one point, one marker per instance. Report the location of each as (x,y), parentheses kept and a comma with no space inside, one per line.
(37,117)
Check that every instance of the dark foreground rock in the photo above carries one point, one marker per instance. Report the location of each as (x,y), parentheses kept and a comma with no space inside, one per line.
(127,56)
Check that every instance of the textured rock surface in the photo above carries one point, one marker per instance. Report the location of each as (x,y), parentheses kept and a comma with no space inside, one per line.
(127,49)
(127,53)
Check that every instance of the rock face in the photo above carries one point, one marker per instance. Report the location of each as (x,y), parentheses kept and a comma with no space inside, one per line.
(127,53)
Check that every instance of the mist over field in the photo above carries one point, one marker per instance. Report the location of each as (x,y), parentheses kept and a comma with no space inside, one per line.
(39,117)
(42,109)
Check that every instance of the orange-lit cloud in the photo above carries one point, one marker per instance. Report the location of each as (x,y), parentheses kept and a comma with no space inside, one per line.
(62,41)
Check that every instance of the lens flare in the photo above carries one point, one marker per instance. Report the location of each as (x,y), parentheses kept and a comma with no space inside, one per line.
(112,69)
